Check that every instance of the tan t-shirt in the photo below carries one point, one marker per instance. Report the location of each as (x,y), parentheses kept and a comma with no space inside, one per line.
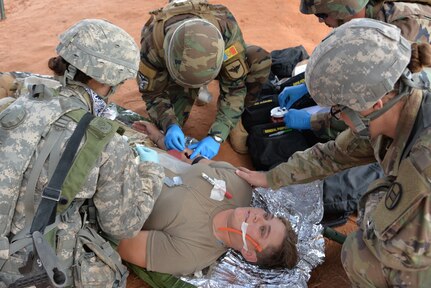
(181,239)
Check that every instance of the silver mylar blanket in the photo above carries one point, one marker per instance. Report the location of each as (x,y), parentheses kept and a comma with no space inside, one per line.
(303,206)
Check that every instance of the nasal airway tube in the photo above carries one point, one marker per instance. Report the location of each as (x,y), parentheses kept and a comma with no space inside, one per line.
(236,231)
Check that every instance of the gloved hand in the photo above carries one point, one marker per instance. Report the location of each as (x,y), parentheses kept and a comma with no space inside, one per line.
(174,138)
(207,147)
(147,154)
(291,94)
(298,119)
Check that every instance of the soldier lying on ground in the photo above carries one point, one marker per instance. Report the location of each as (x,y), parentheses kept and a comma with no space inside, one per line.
(189,229)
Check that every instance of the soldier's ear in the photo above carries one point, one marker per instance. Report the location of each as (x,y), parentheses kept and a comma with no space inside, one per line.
(378,105)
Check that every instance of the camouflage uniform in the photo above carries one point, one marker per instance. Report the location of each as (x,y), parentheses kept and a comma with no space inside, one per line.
(244,70)
(33,140)
(413,19)
(409,246)
(123,193)
(392,247)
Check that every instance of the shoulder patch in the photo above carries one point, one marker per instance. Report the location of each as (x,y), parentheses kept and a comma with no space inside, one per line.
(235,69)
(230,52)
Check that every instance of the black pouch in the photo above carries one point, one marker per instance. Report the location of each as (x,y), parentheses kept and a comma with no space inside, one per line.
(259,112)
(273,143)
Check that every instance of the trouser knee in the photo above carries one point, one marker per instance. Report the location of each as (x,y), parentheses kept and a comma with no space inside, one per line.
(361,266)
(238,138)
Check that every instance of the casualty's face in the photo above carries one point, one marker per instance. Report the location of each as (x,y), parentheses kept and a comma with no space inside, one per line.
(263,227)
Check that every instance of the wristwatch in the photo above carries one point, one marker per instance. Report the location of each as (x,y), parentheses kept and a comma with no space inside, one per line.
(217,138)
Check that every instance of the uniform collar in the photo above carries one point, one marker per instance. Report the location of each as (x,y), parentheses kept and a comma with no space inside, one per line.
(388,152)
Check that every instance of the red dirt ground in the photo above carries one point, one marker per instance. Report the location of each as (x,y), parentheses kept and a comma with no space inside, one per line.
(28,38)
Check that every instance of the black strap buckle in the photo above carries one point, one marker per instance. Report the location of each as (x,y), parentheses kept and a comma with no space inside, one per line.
(52,194)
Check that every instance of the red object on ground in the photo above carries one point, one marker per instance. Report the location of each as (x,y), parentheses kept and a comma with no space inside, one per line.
(177,154)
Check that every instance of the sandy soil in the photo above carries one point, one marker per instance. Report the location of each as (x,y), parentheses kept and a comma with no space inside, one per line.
(28,38)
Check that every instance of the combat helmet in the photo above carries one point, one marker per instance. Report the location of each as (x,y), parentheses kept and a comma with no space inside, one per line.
(193,52)
(100,50)
(357,64)
(338,9)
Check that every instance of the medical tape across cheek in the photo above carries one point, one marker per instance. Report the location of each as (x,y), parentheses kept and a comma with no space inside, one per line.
(244,226)
(236,231)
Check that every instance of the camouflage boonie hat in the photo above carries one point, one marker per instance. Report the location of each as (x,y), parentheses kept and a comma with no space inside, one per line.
(101,50)
(338,9)
(193,52)
(357,64)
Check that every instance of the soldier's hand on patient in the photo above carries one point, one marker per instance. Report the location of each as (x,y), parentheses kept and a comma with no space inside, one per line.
(147,154)
(207,147)
(174,138)
(291,94)
(254,178)
(297,119)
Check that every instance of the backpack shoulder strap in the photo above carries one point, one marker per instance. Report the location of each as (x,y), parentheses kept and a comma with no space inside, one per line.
(98,134)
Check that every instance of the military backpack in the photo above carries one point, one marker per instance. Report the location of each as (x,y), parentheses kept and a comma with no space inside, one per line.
(47,252)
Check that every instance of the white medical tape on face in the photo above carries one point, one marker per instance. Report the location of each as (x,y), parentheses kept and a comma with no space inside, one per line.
(244,227)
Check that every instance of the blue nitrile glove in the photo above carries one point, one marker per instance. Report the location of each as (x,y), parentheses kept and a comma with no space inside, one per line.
(207,147)
(298,119)
(147,154)
(174,138)
(291,94)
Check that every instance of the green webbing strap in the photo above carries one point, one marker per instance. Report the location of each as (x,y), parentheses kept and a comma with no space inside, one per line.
(332,234)
(159,280)
(51,194)
(98,134)
(54,137)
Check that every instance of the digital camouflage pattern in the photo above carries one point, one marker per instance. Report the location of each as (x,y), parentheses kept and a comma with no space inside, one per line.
(122,190)
(112,52)
(414,20)
(357,64)
(242,74)
(338,9)
(193,52)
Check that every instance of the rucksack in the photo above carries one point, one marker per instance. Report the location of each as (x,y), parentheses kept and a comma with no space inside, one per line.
(44,113)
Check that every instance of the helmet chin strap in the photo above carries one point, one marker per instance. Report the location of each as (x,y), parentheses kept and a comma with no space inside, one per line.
(362,123)
(69,76)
